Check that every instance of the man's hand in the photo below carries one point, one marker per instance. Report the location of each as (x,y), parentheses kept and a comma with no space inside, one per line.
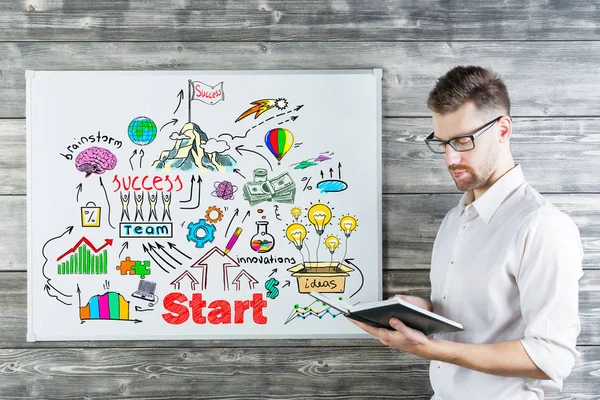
(403,337)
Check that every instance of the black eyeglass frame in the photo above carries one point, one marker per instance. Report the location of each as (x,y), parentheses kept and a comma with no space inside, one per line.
(452,142)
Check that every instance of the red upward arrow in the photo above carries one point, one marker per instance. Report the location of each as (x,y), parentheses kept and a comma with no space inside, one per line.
(107,242)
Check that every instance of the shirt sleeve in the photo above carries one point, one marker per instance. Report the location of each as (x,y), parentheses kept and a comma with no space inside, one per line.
(548,282)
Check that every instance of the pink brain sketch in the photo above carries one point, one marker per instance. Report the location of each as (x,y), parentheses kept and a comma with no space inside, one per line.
(95,160)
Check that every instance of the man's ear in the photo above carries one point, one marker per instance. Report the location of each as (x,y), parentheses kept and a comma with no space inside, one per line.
(505,129)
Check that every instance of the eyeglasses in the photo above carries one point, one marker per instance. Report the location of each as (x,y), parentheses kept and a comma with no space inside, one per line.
(459,143)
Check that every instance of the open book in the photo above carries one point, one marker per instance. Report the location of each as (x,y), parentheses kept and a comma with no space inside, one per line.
(379,313)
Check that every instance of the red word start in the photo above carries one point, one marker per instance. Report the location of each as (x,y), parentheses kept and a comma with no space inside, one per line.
(220,310)
(160,183)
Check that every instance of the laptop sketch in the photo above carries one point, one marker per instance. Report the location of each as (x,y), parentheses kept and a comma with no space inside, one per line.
(145,291)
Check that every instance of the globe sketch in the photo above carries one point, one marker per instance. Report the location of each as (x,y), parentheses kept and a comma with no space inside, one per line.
(142,131)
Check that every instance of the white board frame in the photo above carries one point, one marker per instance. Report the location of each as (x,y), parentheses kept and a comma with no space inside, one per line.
(376,72)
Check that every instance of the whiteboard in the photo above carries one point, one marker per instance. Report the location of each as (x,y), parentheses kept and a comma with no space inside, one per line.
(201,204)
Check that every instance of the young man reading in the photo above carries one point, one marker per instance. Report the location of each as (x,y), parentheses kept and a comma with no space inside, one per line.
(505,263)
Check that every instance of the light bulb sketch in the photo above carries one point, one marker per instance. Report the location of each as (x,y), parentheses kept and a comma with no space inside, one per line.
(348,224)
(296,233)
(319,215)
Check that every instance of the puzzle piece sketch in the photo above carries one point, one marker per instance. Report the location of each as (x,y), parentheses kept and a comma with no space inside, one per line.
(126,266)
(142,268)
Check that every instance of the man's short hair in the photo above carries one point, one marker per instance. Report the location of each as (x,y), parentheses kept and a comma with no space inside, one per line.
(469,83)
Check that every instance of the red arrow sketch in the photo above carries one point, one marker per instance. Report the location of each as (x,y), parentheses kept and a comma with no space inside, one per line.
(107,242)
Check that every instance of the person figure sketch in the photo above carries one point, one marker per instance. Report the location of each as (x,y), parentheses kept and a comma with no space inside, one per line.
(506,263)
(166,198)
(125,205)
(152,200)
(139,201)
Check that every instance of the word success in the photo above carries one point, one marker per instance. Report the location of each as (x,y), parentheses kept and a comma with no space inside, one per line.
(137,183)
(220,310)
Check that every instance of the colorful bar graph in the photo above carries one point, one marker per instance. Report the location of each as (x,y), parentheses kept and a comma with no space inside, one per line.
(104,306)
(94,309)
(113,304)
(123,308)
(84,262)
(108,306)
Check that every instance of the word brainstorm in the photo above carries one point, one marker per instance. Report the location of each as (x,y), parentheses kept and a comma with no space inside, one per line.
(90,139)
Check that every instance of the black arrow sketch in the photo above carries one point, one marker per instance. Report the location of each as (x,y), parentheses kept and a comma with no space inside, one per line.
(173,246)
(272,272)
(287,283)
(237,171)
(199,192)
(362,277)
(235,214)
(152,248)
(135,321)
(108,202)
(180,95)
(240,148)
(340,170)
(246,216)
(191,191)
(262,122)
(331,172)
(132,155)
(123,247)
(48,285)
(140,309)
(291,111)
(153,259)
(322,175)
(79,189)
(172,121)
(47,289)
(161,247)
(277,212)
(292,119)
(141,156)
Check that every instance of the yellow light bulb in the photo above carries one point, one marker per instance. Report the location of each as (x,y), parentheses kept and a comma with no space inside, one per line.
(296,234)
(348,224)
(332,243)
(319,215)
(296,211)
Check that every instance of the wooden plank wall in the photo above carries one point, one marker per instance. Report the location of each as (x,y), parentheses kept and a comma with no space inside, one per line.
(547,51)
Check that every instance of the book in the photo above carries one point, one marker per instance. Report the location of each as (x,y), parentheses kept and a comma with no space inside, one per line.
(379,313)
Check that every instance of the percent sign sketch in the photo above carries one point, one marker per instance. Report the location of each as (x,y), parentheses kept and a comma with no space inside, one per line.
(307,179)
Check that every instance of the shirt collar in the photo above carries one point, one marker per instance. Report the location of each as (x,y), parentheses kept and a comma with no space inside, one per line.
(487,204)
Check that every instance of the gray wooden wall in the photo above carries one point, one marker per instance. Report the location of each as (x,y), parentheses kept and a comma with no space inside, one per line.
(547,51)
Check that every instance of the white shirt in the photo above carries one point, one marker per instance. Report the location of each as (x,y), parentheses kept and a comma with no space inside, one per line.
(507,267)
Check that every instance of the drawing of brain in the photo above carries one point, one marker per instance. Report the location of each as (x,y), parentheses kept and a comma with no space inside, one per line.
(95,160)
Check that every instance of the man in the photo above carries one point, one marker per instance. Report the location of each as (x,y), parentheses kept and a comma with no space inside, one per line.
(505,263)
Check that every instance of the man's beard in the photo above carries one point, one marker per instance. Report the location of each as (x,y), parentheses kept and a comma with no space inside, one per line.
(473,181)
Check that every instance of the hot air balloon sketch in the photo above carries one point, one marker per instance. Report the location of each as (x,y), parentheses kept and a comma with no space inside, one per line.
(279,141)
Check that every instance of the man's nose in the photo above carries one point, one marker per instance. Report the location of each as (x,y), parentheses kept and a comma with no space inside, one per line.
(452,156)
